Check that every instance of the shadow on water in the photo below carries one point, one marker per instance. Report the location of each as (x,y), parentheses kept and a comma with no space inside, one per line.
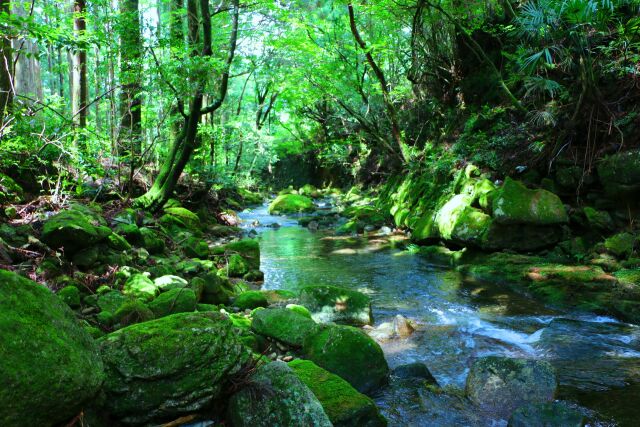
(597,358)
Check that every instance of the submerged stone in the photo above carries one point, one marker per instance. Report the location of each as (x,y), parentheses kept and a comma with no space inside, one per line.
(276,397)
(343,404)
(333,304)
(165,368)
(350,353)
(49,365)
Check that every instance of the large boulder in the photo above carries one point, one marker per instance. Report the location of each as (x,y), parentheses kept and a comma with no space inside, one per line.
(291,203)
(514,203)
(10,191)
(174,301)
(140,286)
(282,324)
(248,249)
(459,222)
(276,397)
(350,353)
(74,229)
(551,414)
(49,365)
(499,385)
(164,368)
(620,174)
(333,304)
(344,405)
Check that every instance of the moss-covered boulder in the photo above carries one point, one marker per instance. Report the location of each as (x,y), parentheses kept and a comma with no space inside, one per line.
(598,220)
(248,249)
(131,232)
(459,222)
(195,247)
(309,191)
(152,241)
(514,203)
(162,369)
(500,385)
(291,203)
(283,325)
(250,299)
(132,312)
(74,229)
(176,218)
(350,353)
(140,286)
(169,282)
(343,404)
(621,244)
(276,398)
(237,266)
(70,295)
(620,174)
(551,414)
(10,191)
(49,365)
(215,289)
(334,304)
(173,301)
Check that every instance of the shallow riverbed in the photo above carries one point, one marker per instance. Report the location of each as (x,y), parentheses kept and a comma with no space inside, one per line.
(597,358)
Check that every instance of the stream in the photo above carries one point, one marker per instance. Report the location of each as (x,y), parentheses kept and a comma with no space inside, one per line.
(597,358)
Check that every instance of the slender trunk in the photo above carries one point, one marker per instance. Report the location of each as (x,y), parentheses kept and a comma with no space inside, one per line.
(98,86)
(60,74)
(6,58)
(79,70)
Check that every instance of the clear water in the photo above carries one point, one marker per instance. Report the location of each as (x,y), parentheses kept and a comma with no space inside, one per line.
(597,358)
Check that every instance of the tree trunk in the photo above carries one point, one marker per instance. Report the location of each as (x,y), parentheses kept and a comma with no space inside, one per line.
(79,73)
(187,141)
(6,56)
(130,134)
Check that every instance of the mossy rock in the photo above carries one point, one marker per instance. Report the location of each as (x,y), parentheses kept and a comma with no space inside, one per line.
(74,229)
(334,304)
(291,203)
(130,232)
(350,353)
(118,243)
(70,295)
(620,174)
(196,248)
(276,398)
(169,282)
(500,385)
(516,204)
(132,312)
(237,266)
(254,276)
(283,325)
(459,222)
(248,249)
(250,300)
(300,309)
(152,241)
(10,191)
(50,365)
(87,257)
(598,220)
(111,301)
(165,368)
(549,414)
(140,286)
(343,404)
(185,216)
(628,276)
(173,301)
(216,290)
(621,244)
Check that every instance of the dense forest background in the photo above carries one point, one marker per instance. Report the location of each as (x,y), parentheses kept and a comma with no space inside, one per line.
(107,95)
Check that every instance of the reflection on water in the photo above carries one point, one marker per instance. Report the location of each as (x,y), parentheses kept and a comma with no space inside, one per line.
(597,358)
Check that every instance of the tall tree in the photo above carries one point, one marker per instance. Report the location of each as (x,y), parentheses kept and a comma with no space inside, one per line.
(6,56)
(130,134)
(79,70)
(187,141)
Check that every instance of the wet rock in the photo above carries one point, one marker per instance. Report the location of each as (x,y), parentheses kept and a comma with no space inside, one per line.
(416,370)
(283,325)
(403,327)
(173,301)
(499,385)
(343,404)
(291,203)
(349,353)
(553,414)
(169,367)
(334,304)
(50,365)
(276,397)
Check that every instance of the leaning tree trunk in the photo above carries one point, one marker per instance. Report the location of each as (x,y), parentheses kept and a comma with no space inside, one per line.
(79,75)
(187,141)
(6,56)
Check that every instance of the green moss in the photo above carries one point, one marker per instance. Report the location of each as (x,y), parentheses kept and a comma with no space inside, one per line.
(349,353)
(237,266)
(105,318)
(152,241)
(131,312)
(291,203)
(599,220)
(250,300)
(195,247)
(628,276)
(283,325)
(87,257)
(248,249)
(169,367)
(131,232)
(10,191)
(188,218)
(334,304)
(70,295)
(516,204)
(74,229)
(173,301)
(459,222)
(140,286)
(621,244)
(50,366)
(216,290)
(620,174)
(300,309)
(343,404)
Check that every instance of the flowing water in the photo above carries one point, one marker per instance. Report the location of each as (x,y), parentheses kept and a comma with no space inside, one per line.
(597,358)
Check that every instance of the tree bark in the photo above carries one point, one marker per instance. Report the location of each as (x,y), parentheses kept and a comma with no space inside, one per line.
(6,65)
(79,74)
(187,141)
